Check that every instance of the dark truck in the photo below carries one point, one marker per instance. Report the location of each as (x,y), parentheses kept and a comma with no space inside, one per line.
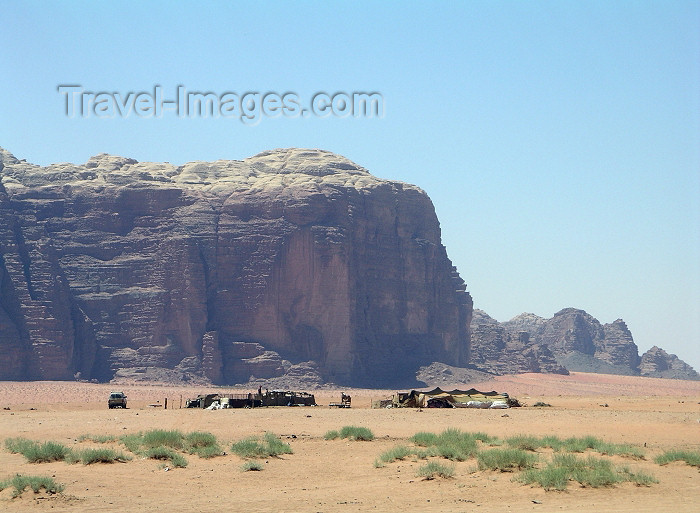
(117,400)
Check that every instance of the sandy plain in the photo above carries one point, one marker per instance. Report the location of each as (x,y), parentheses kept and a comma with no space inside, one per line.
(339,476)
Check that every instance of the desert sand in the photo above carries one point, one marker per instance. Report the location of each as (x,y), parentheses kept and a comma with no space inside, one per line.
(339,475)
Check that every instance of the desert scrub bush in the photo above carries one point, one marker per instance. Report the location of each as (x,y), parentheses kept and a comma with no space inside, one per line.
(132,442)
(20,483)
(101,455)
(18,445)
(525,442)
(573,444)
(166,453)
(456,450)
(639,478)
(596,444)
(351,433)
(269,445)
(99,439)
(275,446)
(331,435)
(451,444)
(356,433)
(36,452)
(540,404)
(400,452)
(424,439)
(249,448)
(205,445)
(625,450)
(505,459)
(432,469)
(251,466)
(202,444)
(590,471)
(552,442)
(690,457)
(163,438)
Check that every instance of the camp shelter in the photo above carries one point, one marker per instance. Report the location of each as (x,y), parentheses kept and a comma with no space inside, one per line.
(438,398)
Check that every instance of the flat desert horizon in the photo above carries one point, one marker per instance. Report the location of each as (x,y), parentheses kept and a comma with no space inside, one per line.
(653,415)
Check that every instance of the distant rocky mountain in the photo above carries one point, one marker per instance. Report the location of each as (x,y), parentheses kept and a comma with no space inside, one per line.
(290,268)
(572,340)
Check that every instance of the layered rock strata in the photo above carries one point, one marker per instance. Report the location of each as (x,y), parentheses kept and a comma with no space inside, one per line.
(226,270)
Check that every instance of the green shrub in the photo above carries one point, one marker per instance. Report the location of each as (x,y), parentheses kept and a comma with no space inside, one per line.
(580,444)
(639,478)
(102,455)
(594,472)
(199,439)
(275,446)
(18,445)
(204,445)
(590,471)
(162,438)
(331,435)
(525,442)
(552,442)
(424,454)
(248,448)
(505,459)
(356,433)
(400,452)
(424,439)
(574,444)
(549,478)
(625,450)
(36,483)
(432,469)
(456,450)
(99,439)
(36,452)
(208,452)
(132,442)
(252,447)
(690,457)
(251,465)
(166,453)
(451,444)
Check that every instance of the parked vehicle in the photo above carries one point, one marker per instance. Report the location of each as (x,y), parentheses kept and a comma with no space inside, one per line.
(117,400)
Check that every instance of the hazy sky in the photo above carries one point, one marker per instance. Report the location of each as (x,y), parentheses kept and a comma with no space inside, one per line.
(559,141)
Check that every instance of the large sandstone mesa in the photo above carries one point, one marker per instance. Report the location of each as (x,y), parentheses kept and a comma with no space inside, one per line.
(572,340)
(226,270)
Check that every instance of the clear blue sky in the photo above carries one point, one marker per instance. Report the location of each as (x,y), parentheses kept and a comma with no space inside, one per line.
(559,141)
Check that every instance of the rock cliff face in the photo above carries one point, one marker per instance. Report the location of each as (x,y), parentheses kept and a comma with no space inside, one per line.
(503,349)
(572,340)
(223,271)
(659,364)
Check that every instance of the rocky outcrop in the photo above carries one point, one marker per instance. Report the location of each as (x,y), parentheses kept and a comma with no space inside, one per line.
(118,268)
(572,340)
(657,363)
(500,348)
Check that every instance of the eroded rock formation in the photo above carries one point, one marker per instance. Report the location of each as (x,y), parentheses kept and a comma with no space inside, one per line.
(223,270)
(659,364)
(503,349)
(572,340)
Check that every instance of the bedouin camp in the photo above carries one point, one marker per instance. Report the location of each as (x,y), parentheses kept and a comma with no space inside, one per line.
(438,398)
